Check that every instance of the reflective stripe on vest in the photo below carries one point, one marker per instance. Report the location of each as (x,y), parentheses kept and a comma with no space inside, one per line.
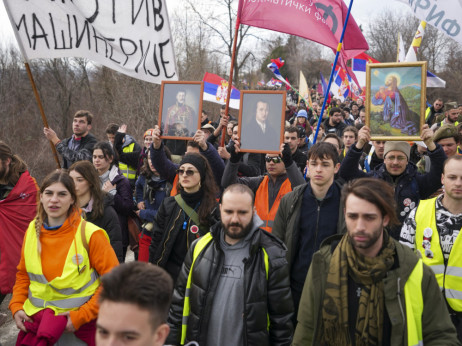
(129,172)
(414,305)
(70,290)
(262,198)
(174,190)
(449,277)
(200,245)
(427,113)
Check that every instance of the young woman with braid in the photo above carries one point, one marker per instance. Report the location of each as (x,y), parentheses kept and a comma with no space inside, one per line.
(56,282)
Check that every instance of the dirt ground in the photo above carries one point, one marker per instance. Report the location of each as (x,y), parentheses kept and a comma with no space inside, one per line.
(9,332)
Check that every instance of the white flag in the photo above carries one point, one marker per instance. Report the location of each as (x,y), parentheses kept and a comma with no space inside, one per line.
(445,15)
(401,54)
(132,37)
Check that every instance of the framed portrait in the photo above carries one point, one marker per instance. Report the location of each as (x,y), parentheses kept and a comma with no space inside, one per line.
(180,109)
(261,121)
(395,100)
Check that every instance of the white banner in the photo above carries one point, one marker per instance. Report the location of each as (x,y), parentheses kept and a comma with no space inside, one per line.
(443,15)
(132,37)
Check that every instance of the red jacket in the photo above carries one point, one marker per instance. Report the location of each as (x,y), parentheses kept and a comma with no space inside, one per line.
(16,212)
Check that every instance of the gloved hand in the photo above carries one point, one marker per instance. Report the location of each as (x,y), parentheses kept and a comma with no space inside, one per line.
(236,155)
(287,155)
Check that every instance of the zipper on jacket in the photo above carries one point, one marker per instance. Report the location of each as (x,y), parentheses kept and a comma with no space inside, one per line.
(168,237)
(245,260)
(317,224)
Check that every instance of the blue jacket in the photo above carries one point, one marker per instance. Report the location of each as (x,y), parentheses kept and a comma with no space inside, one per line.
(151,205)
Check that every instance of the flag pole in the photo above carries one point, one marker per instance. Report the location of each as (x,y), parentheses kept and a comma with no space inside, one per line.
(34,87)
(339,48)
(230,79)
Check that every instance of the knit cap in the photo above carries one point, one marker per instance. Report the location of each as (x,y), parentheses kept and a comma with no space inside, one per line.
(404,147)
(197,161)
(302,113)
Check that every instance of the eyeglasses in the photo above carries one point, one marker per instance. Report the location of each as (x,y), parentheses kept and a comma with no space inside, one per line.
(189,172)
(275,159)
(399,158)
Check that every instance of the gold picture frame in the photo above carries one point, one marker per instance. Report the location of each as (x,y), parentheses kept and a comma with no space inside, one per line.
(395,100)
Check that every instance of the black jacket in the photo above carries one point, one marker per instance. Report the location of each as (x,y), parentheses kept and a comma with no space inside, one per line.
(168,246)
(110,223)
(264,298)
(84,152)
(131,159)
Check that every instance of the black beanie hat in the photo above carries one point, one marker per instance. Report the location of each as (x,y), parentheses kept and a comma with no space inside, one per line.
(197,161)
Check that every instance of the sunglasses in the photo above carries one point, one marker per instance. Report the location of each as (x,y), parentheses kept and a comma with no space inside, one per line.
(275,159)
(189,172)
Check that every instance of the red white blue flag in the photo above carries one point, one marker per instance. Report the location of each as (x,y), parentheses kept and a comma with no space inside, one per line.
(216,90)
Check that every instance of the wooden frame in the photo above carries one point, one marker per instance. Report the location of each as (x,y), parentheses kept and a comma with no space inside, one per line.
(178,121)
(251,135)
(386,83)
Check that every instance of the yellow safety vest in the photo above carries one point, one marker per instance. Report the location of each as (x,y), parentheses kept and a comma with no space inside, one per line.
(449,276)
(129,172)
(414,305)
(455,124)
(70,290)
(200,245)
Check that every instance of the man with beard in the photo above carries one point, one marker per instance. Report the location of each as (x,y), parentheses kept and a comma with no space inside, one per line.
(433,229)
(18,206)
(79,147)
(233,288)
(334,123)
(451,116)
(365,288)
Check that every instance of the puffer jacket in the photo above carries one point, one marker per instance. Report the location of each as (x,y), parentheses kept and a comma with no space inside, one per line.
(167,227)
(437,328)
(410,187)
(263,298)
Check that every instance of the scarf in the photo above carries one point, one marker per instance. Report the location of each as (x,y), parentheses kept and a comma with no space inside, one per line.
(366,271)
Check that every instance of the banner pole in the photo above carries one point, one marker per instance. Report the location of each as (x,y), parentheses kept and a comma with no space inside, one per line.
(31,79)
(339,48)
(230,79)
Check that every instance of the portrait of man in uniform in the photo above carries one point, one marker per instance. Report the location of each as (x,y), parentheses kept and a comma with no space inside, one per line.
(180,105)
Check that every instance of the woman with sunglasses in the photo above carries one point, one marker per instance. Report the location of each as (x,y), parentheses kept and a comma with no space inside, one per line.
(113,182)
(183,218)
(97,205)
(60,273)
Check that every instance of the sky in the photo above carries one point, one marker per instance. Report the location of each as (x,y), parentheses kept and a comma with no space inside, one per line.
(363,11)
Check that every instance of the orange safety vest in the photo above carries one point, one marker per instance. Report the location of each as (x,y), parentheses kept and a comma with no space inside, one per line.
(174,190)
(261,202)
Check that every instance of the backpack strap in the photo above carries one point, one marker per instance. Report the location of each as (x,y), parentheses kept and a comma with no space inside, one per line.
(187,209)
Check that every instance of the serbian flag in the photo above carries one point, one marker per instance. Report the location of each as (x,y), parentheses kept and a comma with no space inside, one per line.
(359,67)
(261,82)
(340,88)
(216,90)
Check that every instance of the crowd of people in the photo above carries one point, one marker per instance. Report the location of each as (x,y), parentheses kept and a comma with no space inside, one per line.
(339,241)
